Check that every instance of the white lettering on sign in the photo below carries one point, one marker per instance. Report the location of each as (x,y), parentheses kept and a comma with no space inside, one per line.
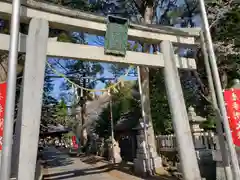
(1,124)
(235,106)
(238,134)
(238,125)
(1,97)
(1,110)
(237,115)
(234,96)
(1,139)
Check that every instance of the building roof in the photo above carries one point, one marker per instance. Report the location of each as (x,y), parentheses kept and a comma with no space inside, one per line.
(128,121)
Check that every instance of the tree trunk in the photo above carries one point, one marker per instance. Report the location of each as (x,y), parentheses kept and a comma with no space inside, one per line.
(144,73)
(3,67)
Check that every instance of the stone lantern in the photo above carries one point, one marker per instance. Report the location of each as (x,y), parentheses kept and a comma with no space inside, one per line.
(236,84)
(195,121)
(197,132)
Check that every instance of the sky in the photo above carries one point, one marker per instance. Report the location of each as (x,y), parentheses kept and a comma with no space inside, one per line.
(91,40)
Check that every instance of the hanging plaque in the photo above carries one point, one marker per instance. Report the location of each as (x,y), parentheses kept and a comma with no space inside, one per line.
(116,37)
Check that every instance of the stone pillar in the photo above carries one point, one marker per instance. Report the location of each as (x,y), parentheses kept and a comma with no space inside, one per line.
(36,46)
(146,153)
(204,155)
(217,157)
(140,162)
(114,152)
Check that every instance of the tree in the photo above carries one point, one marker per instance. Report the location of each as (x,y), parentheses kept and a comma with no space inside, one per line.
(49,103)
(62,114)
(123,102)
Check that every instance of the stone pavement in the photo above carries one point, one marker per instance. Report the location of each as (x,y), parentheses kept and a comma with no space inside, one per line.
(62,167)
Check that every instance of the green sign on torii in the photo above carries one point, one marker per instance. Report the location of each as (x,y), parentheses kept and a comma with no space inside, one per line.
(116,37)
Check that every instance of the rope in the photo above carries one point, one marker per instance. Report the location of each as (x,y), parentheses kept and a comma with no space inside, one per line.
(113,86)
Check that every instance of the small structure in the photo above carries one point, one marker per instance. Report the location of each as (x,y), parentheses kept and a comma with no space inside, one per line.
(54,131)
(197,132)
(195,120)
(126,134)
(130,132)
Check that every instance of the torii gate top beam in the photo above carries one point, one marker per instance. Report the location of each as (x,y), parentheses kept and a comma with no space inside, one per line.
(74,20)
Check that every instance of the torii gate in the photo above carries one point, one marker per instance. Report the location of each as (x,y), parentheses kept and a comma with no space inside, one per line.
(37,47)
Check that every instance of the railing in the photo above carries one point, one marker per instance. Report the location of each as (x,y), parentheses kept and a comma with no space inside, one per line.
(204,140)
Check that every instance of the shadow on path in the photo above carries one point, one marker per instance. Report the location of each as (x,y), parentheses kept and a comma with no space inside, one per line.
(75,173)
(53,158)
(99,170)
(60,166)
(124,169)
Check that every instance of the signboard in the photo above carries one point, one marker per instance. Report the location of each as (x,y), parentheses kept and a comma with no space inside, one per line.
(232,102)
(116,37)
(3,87)
(74,141)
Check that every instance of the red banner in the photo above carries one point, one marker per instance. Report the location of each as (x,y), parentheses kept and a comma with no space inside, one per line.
(3,88)
(232,101)
(74,141)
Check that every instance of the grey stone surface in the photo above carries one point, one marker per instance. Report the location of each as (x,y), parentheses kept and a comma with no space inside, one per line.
(33,79)
(220,173)
(145,158)
(61,166)
(38,171)
(182,130)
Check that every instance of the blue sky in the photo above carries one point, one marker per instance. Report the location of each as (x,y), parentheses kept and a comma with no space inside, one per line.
(94,41)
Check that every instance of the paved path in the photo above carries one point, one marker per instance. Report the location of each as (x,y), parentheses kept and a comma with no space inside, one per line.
(63,167)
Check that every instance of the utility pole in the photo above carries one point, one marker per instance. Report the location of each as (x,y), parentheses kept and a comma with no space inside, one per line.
(219,94)
(11,90)
(225,158)
(112,130)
